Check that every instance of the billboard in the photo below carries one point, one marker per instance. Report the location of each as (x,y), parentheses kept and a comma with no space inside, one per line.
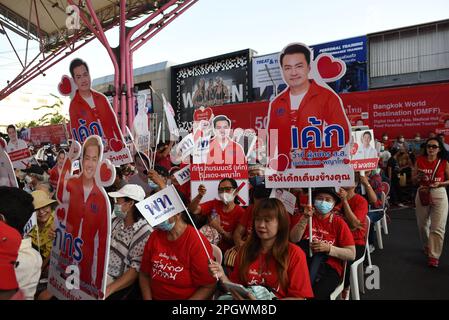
(214,81)
(353,51)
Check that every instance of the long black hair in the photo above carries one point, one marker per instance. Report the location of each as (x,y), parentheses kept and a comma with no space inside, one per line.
(442,154)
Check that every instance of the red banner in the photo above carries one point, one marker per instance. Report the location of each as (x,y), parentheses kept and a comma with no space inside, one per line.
(54,134)
(396,111)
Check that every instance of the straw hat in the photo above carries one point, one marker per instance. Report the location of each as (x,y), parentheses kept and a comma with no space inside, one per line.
(41,199)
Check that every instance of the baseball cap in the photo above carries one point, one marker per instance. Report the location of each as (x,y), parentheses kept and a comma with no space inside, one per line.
(41,199)
(10,240)
(132,191)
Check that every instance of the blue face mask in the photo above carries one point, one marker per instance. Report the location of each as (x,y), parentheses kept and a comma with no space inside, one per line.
(165,226)
(257,180)
(152,185)
(323,207)
(118,211)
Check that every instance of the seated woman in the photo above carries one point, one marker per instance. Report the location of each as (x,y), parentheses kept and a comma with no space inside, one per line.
(129,234)
(268,258)
(332,241)
(174,264)
(223,214)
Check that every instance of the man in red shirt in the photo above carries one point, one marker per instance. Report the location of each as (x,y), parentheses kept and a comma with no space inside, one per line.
(302,104)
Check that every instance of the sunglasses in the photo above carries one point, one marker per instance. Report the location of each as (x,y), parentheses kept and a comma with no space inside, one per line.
(225,189)
(432,146)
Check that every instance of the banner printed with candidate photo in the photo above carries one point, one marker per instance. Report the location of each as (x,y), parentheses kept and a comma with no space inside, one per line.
(7,175)
(211,82)
(364,156)
(80,253)
(308,141)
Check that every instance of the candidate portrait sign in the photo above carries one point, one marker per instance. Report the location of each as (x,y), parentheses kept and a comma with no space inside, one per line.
(364,156)
(309,134)
(7,175)
(80,253)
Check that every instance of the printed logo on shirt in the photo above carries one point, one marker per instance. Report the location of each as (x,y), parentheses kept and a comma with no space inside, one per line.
(280,112)
(94,208)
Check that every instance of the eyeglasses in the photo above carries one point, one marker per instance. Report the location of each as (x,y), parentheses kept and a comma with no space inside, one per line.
(432,146)
(225,189)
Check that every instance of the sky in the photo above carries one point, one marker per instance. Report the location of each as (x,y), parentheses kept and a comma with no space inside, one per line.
(213,27)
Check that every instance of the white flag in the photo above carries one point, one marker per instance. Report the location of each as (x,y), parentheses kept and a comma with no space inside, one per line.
(170,115)
(161,206)
(183,175)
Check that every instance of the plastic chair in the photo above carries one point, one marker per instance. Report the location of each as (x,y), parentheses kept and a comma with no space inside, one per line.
(386,190)
(339,289)
(357,271)
(377,225)
(218,255)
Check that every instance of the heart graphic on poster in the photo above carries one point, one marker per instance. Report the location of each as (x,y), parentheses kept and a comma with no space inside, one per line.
(280,163)
(2,143)
(354,149)
(116,145)
(329,68)
(202,114)
(105,173)
(65,86)
(346,161)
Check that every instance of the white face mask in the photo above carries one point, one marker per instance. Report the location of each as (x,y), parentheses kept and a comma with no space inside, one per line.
(28,179)
(226,198)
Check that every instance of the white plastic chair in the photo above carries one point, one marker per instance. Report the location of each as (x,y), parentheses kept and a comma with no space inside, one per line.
(386,189)
(339,289)
(356,278)
(217,253)
(378,225)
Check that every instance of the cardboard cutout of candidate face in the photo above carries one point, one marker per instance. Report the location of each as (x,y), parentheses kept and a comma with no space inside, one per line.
(81,249)
(309,133)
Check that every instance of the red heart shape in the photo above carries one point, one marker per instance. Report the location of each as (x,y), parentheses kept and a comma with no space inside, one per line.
(202,114)
(116,145)
(330,68)
(3,143)
(346,161)
(280,163)
(354,149)
(65,86)
(105,173)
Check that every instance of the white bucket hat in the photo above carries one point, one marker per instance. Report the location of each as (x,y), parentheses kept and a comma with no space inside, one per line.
(132,191)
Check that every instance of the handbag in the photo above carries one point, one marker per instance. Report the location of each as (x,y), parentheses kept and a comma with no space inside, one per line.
(424,191)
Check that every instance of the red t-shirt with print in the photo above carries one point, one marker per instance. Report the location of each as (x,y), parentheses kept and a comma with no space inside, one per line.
(334,230)
(359,207)
(261,274)
(176,268)
(428,167)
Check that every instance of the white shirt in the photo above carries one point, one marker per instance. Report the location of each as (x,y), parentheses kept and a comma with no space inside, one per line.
(369,153)
(295,101)
(28,271)
(90,101)
(18,145)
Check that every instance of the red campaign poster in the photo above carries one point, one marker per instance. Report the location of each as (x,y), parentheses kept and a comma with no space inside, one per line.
(54,134)
(80,254)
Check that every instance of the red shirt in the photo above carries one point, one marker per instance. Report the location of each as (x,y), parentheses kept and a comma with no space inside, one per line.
(246,219)
(359,207)
(176,268)
(298,274)
(428,167)
(231,154)
(319,102)
(333,230)
(163,161)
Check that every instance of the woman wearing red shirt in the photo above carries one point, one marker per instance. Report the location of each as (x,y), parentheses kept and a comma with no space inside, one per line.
(268,259)
(432,218)
(56,170)
(224,214)
(332,241)
(174,265)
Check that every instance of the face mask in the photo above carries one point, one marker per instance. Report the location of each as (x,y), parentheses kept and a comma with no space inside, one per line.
(226,197)
(28,179)
(401,140)
(257,180)
(323,207)
(118,211)
(165,226)
(382,148)
(152,184)
(385,138)
(417,139)
(376,171)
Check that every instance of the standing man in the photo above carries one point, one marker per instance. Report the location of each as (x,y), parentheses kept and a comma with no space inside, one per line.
(304,103)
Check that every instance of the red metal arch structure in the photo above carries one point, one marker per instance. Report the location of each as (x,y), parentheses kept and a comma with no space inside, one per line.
(53,23)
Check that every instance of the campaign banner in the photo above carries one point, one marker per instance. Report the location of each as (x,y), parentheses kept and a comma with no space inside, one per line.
(80,253)
(21,158)
(53,134)
(170,116)
(211,175)
(364,156)
(286,197)
(308,136)
(214,81)
(7,175)
(161,206)
(183,175)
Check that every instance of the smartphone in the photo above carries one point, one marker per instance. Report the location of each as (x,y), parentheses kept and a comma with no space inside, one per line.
(241,290)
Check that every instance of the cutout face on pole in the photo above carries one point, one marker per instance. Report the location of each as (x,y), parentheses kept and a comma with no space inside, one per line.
(82,223)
